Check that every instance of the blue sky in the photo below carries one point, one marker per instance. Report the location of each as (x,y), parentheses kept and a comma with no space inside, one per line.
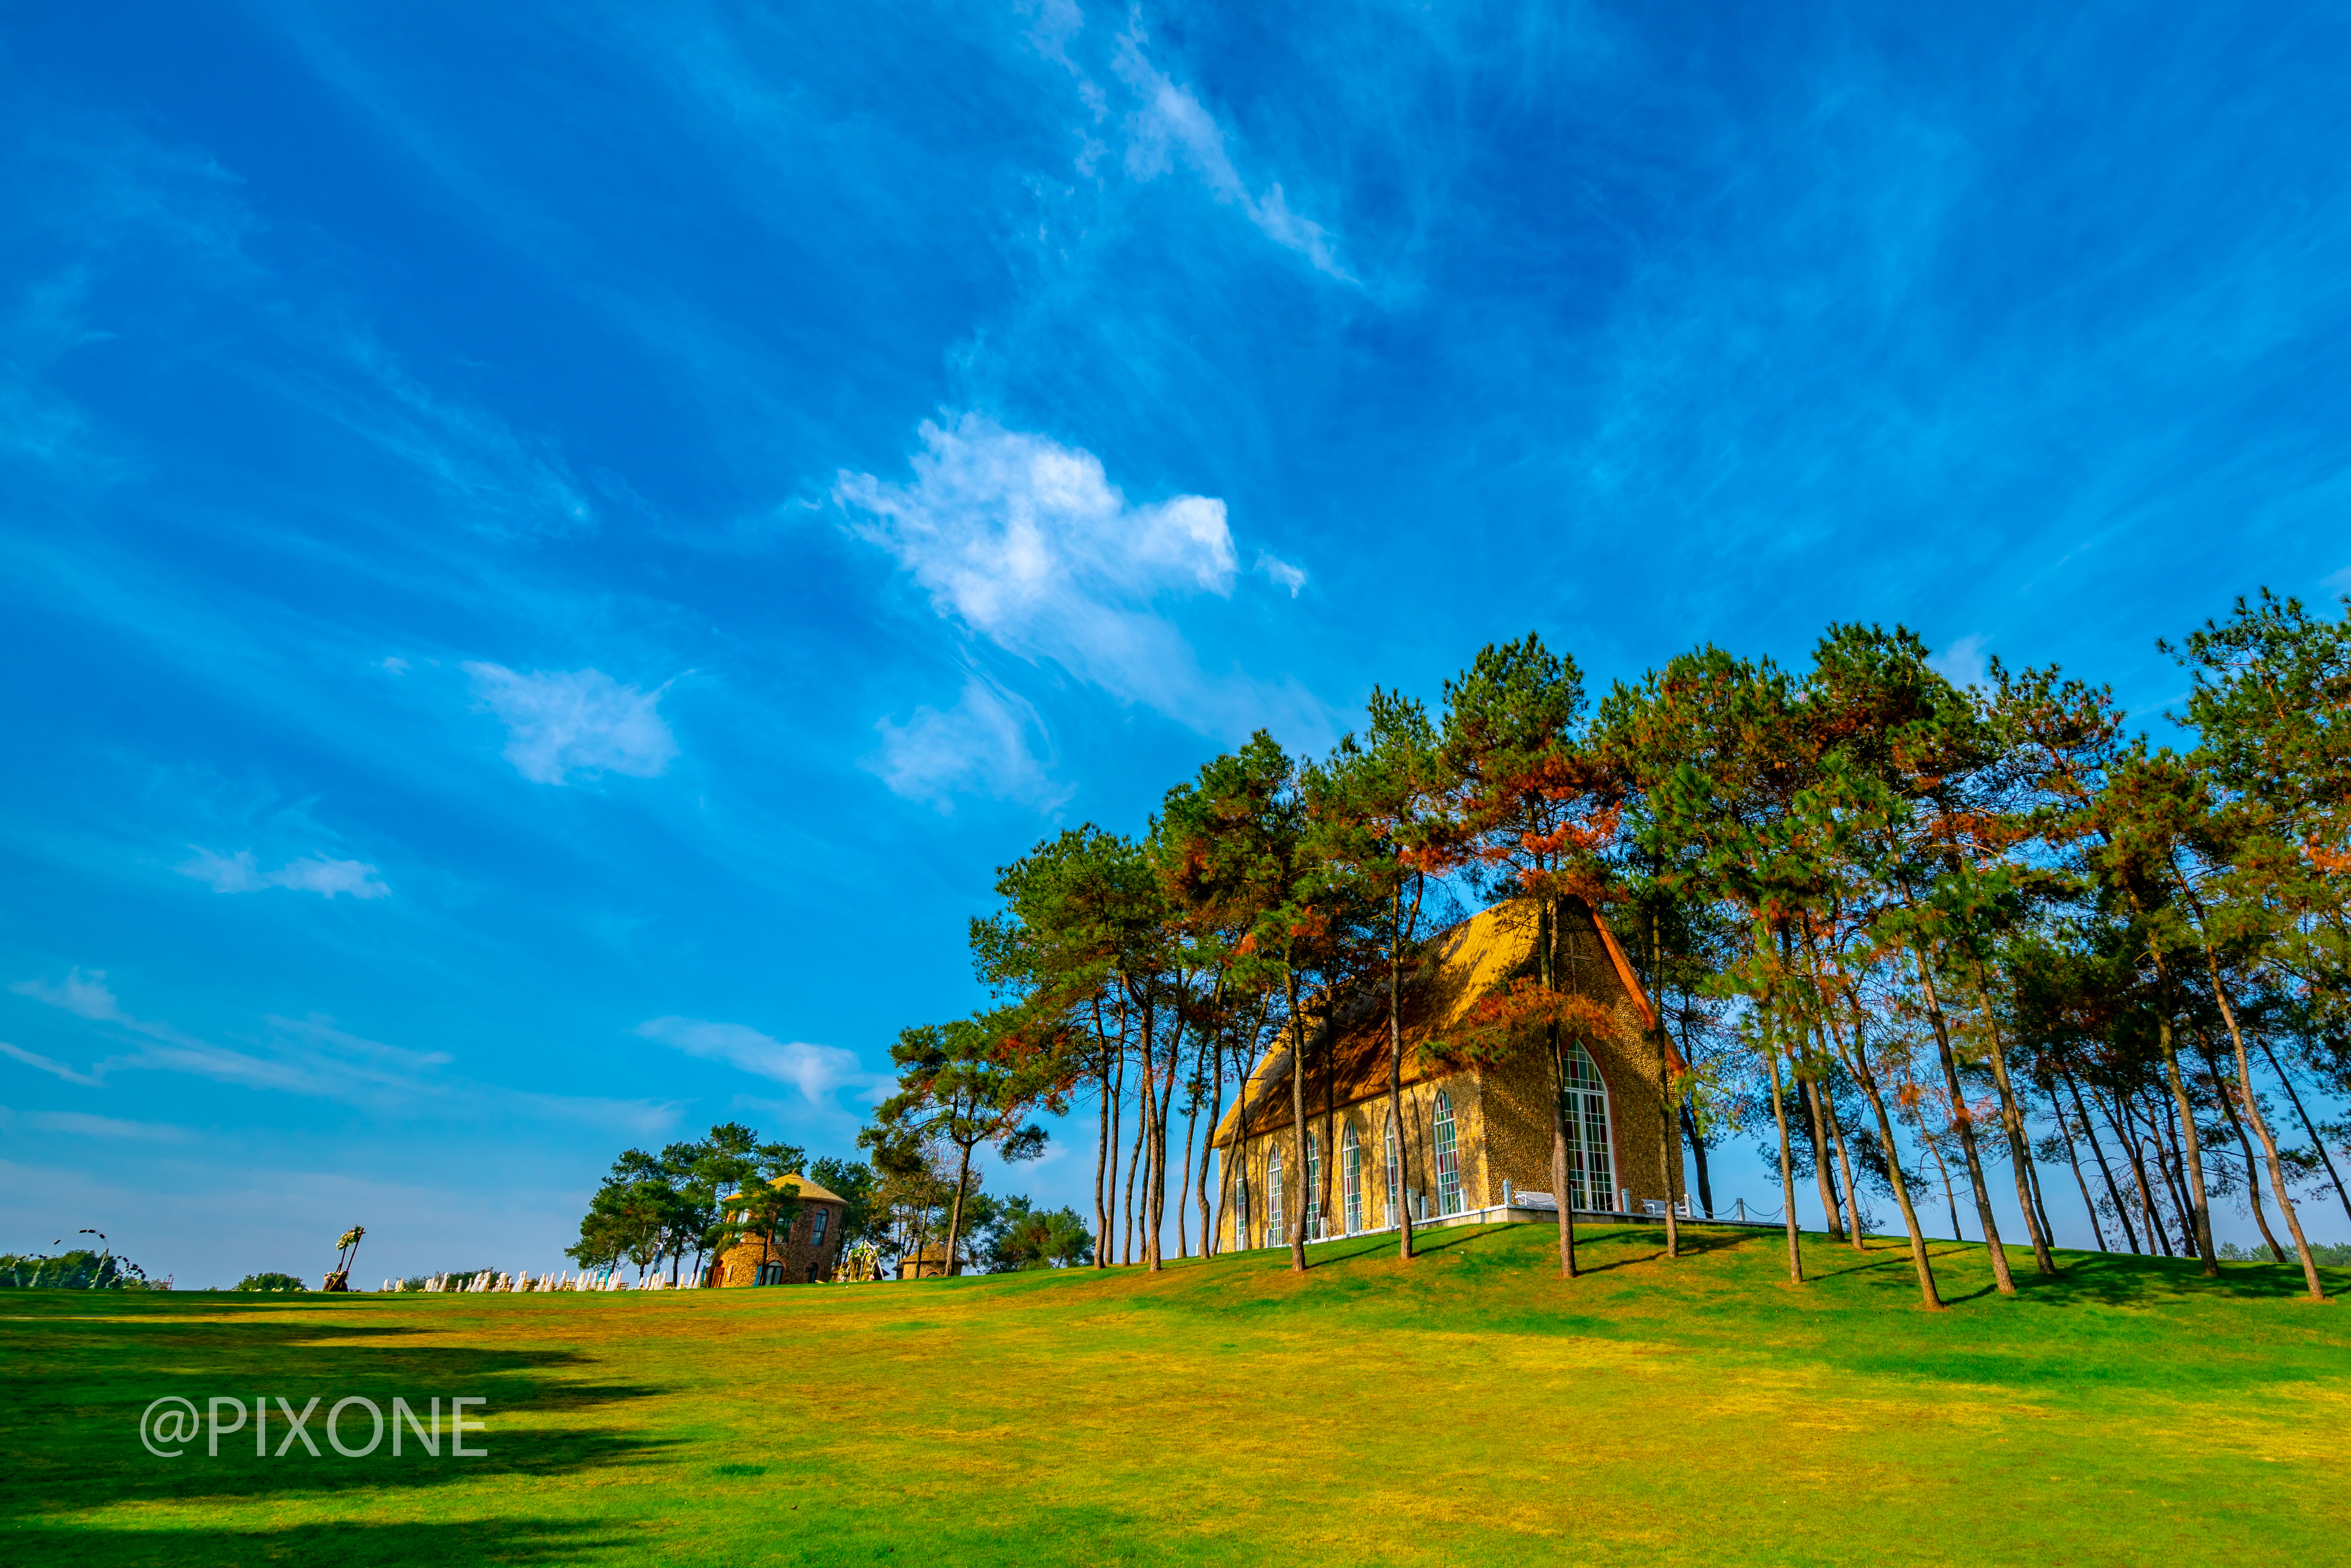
(549,551)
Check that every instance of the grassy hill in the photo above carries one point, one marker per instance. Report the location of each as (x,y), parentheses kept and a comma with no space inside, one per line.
(1471,1407)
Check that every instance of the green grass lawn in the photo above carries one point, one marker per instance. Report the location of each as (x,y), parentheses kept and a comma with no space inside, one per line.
(1471,1407)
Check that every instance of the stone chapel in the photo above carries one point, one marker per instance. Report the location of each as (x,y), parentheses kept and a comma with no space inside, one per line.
(1478,1138)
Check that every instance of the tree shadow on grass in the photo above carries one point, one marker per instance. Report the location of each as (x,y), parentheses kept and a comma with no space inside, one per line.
(2125,1280)
(74,1393)
(346,1545)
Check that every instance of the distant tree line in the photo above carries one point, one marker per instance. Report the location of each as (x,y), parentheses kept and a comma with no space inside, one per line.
(672,1211)
(1911,931)
(80,1268)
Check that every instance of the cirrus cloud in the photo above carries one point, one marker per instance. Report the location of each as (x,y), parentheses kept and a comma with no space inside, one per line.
(816,1071)
(982,742)
(566,723)
(240,873)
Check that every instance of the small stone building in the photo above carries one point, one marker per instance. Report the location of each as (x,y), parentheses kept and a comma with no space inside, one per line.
(1479,1136)
(925,1263)
(805,1252)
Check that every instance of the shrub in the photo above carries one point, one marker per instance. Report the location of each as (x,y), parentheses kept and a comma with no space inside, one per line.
(80,1270)
(270,1282)
(2326,1254)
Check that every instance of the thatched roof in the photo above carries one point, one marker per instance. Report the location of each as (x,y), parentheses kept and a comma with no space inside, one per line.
(1470,961)
(809,1191)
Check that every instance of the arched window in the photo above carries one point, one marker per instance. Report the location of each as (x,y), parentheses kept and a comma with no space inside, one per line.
(1310,1202)
(1273,1226)
(1448,1159)
(1351,1176)
(1396,1215)
(1240,1211)
(1592,1165)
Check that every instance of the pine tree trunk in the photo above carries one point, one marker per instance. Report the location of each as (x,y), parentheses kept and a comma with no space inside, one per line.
(1822,1177)
(2012,1121)
(1117,1114)
(1147,1228)
(1787,1172)
(1547,961)
(1159,1129)
(2165,1136)
(955,1218)
(2245,1144)
(2065,1136)
(1212,1051)
(2098,1151)
(2200,1206)
(1669,1149)
(1134,1164)
(2261,1130)
(1561,1180)
(1965,1125)
(2119,1117)
(1183,1184)
(1105,1152)
(1857,1063)
(1844,1164)
(1697,1156)
(2252,1169)
(1296,1218)
(1942,1170)
(2039,1199)
(2316,1141)
(1396,1082)
(2164,1118)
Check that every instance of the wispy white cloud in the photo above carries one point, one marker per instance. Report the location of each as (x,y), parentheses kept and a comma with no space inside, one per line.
(639,1118)
(131,202)
(1169,124)
(500,482)
(1029,544)
(983,743)
(562,722)
(1293,577)
(84,997)
(816,1071)
(1962,663)
(165,1047)
(75,1123)
(33,1059)
(311,1056)
(240,873)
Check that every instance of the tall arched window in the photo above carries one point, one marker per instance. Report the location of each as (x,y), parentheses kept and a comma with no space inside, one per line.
(1351,1176)
(1396,1215)
(1310,1202)
(1274,1228)
(1448,1159)
(1241,1212)
(1593,1167)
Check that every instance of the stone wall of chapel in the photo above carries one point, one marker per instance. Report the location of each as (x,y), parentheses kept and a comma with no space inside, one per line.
(1648,1149)
(1502,1130)
(1369,1122)
(802,1256)
(1480,1185)
(1502,1117)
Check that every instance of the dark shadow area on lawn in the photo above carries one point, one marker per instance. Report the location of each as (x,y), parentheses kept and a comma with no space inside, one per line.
(346,1545)
(2123,1279)
(75,1404)
(1652,1241)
